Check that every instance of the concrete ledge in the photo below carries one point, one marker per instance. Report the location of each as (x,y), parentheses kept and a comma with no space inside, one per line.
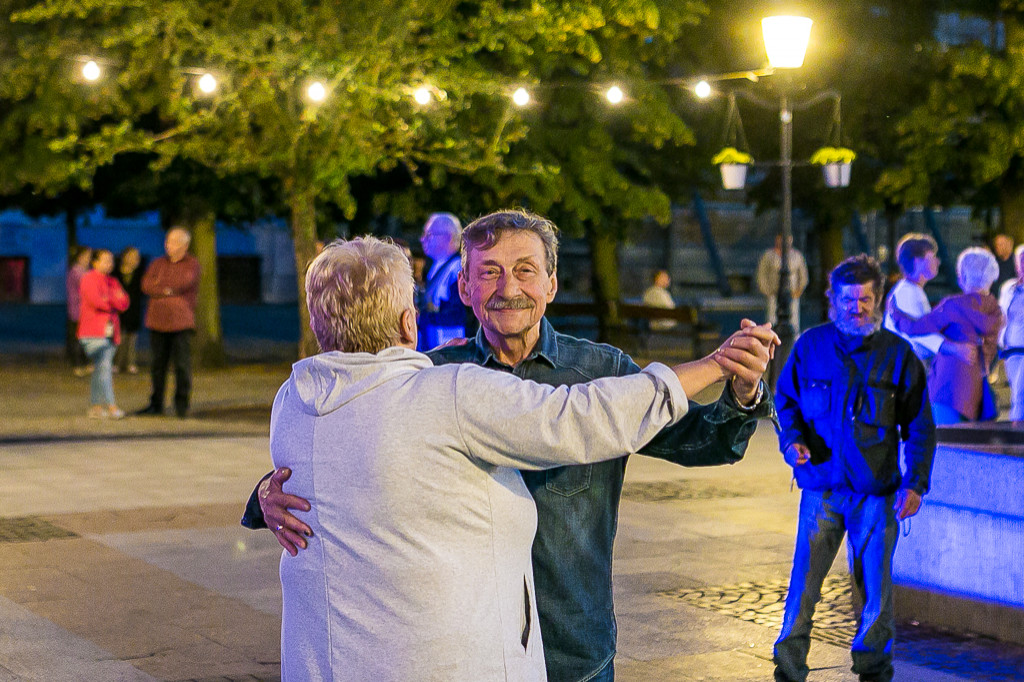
(960,565)
(959,613)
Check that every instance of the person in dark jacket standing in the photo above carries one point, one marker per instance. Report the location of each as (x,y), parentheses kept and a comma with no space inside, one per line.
(443,316)
(172,284)
(130,276)
(848,394)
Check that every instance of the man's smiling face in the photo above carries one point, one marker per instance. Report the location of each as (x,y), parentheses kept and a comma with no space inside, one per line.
(508,285)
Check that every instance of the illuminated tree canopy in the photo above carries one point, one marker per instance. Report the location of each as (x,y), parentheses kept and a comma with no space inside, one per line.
(567,149)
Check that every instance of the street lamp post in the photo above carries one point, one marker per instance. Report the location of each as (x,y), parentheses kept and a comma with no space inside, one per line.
(785,40)
(784,294)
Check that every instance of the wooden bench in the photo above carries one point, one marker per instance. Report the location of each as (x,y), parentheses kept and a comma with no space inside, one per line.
(696,333)
(689,326)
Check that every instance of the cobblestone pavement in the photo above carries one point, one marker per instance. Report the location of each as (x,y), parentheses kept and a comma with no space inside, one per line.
(121,557)
(763,603)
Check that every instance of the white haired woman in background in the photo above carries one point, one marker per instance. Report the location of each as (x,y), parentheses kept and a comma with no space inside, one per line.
(959,388)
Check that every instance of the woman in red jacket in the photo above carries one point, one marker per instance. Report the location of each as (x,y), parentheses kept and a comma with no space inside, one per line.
(99,330)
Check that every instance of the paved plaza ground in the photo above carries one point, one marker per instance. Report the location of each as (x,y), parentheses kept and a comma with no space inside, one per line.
(121,556)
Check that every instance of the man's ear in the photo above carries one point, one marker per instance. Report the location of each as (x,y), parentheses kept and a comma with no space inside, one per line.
(464,289)
(554,286)
(407,326)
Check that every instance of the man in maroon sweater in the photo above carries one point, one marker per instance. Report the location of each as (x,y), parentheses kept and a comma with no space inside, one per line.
(172,284)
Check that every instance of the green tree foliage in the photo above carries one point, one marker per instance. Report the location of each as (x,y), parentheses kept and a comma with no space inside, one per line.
(568,154)
(964,142)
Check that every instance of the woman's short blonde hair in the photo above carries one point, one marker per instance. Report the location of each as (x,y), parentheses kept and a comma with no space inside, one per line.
(356,292)
(976,269)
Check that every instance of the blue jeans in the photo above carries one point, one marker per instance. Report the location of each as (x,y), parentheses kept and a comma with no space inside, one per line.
(606,674)
(870,522)
(100,352)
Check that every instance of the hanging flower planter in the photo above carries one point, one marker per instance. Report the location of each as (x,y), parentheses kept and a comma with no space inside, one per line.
(836,174)
(734,175)
(835,165)
(733,165)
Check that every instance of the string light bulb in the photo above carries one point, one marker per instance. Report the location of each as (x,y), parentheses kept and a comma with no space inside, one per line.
(702,89)
(207,83)
(421,95)
(91,71)
(521,97)
(615,95)
(316,92)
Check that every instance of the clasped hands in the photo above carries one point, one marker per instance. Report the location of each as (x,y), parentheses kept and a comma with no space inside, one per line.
(744,357)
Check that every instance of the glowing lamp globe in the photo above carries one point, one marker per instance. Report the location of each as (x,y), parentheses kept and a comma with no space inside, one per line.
(316,92)
(421,95)
(207,83)
(91,71)
(615,95)
(521,97)
(785,40)
(702,89)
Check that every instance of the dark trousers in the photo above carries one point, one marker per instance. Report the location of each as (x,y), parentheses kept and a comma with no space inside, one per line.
(167,347)
(870,523)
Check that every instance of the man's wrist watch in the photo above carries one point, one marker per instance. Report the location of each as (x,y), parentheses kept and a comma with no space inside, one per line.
(758,397)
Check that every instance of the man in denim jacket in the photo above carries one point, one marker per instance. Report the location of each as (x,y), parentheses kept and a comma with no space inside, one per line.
(508,277)
(847,395)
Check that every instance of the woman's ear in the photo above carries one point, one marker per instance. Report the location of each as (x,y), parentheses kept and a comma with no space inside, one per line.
(407,327)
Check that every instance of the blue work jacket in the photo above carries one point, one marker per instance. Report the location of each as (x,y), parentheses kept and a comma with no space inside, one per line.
(850,400)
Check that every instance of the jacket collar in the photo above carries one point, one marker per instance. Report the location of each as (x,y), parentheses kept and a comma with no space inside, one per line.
(546,348)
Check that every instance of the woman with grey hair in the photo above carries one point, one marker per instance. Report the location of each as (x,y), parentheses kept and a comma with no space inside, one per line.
(958,387)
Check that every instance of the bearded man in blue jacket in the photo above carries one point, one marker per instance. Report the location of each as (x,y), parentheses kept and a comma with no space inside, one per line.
(848,394)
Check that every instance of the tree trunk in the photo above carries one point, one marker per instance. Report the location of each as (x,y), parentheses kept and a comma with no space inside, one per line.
(1011,210)
(604,264)
(302,202)
(830,249)
(209,335)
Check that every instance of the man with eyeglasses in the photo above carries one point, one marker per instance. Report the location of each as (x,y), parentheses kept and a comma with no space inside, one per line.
(443,317)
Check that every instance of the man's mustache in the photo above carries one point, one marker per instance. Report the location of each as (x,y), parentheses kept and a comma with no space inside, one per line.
(517,303)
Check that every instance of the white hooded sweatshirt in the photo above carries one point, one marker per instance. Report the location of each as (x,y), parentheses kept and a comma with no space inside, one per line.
(419,566)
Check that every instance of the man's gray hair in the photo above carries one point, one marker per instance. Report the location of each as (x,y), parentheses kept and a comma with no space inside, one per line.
(356,292)
(184,231)
(483,233)
(448,222)
(976,269)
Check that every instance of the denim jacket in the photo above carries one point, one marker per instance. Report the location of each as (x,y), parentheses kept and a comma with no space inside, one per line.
(577,506)
(850,400)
